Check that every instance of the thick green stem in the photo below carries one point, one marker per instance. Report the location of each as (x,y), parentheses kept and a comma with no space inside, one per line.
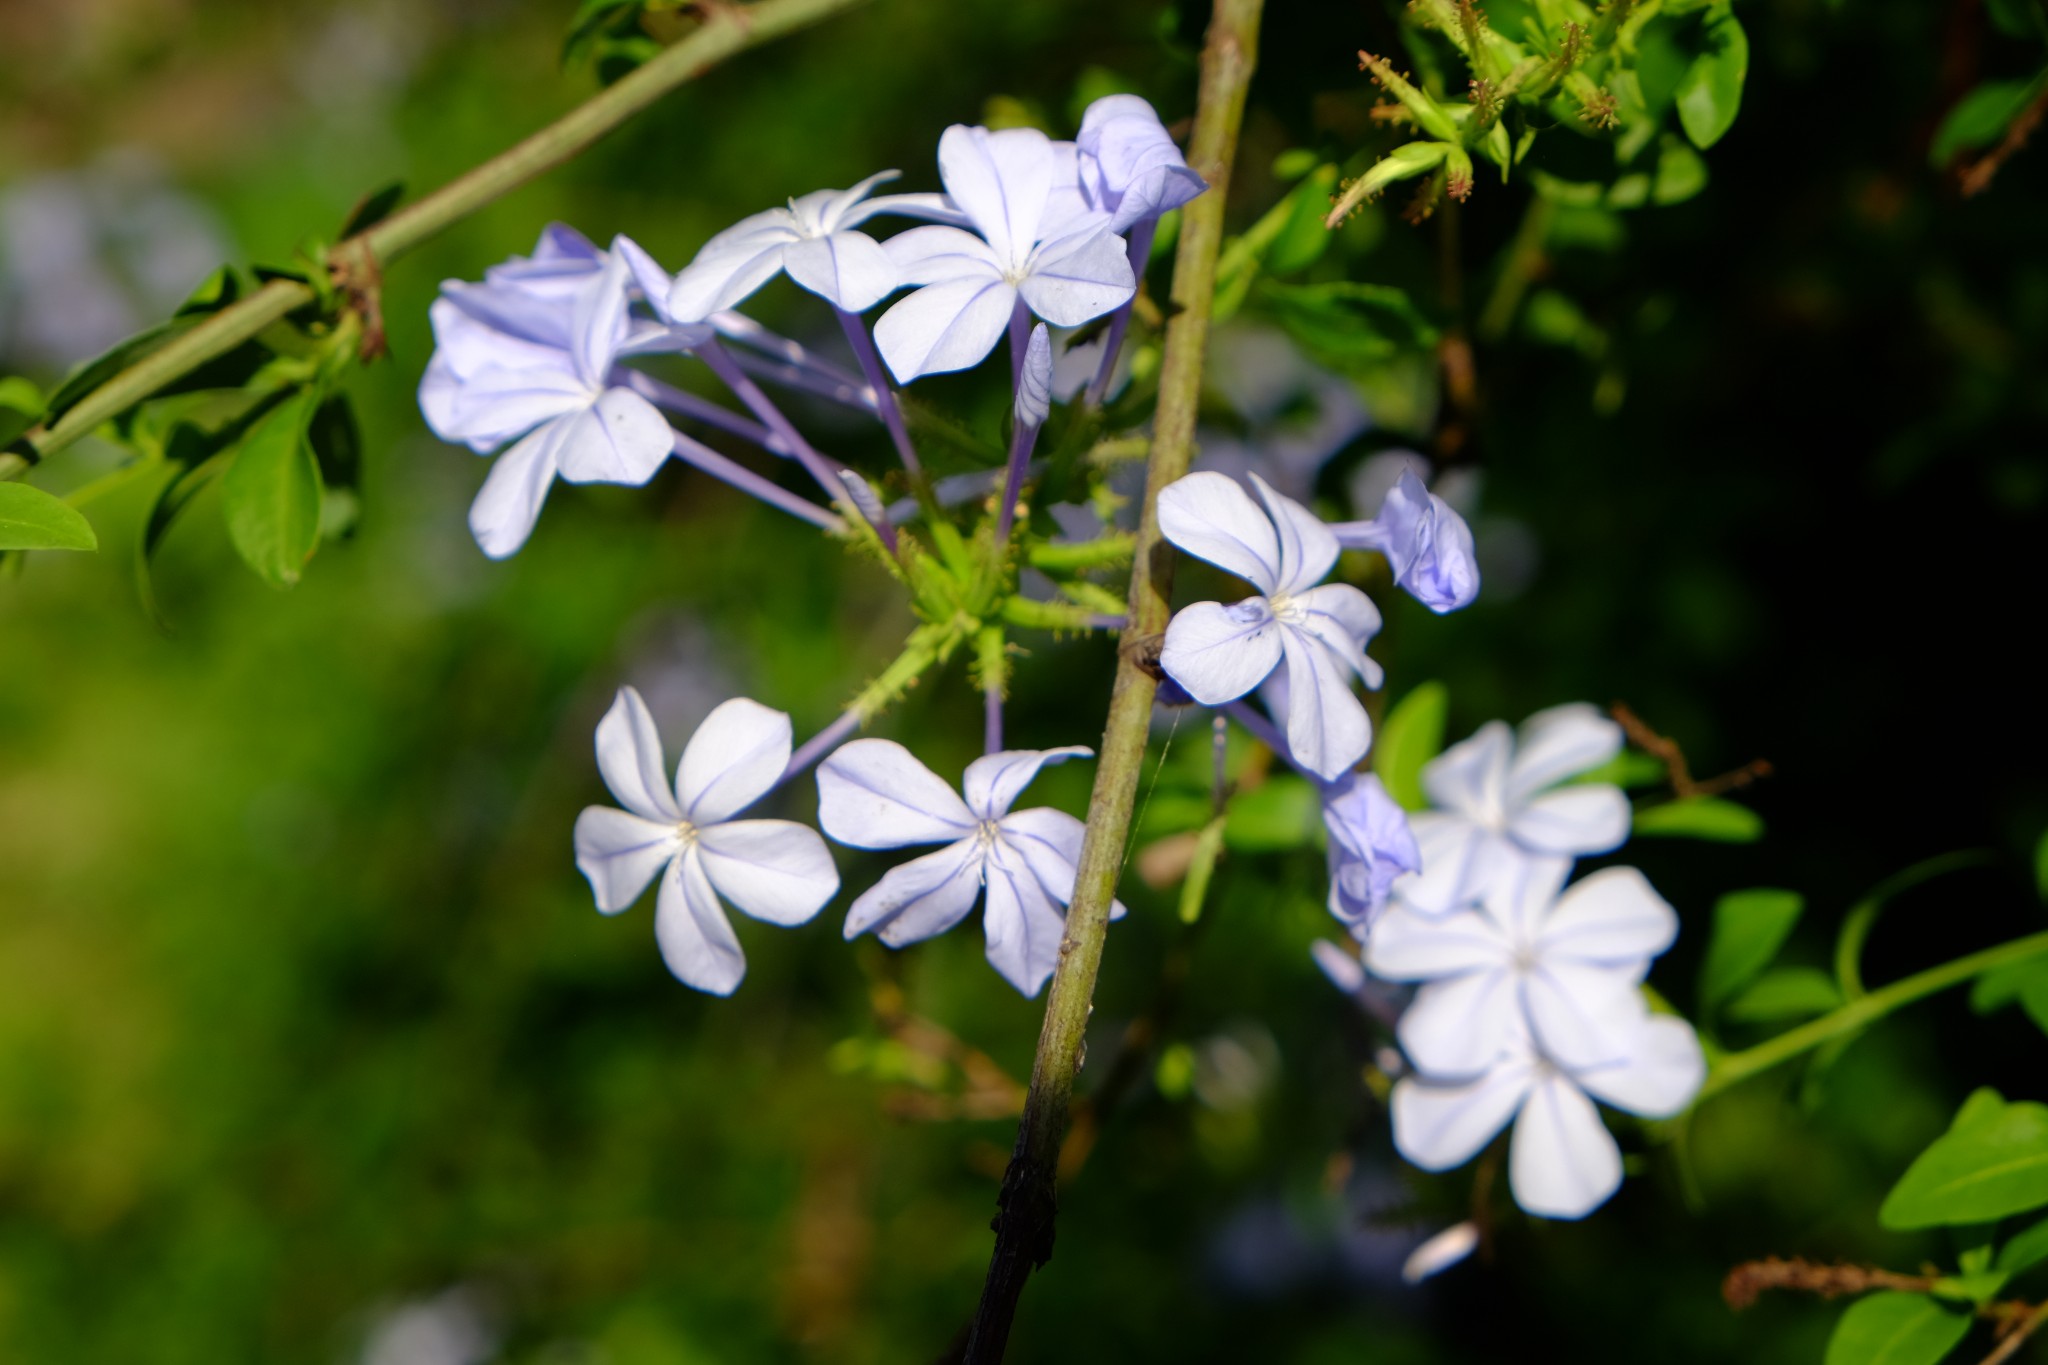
(1864,1011)
(1024,1218)
(728,29)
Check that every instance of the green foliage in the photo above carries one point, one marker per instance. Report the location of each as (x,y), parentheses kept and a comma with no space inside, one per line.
(1284,812)
(1896,1329)
(1980,118)
(1409,736)
(1749,929)
(2022,983)
(372,209)
(1194,889)
(1784,994)
(1992,1162)
(1711,818)
(1710,94)
(31,519)
(271,493)
(1349,325)
(21,403)
(2024,1250)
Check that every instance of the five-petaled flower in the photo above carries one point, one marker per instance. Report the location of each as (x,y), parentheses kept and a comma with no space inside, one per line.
(774,870)
(874,794)
(814,240)
(1427,545)
(1498,803)
(1219,653)
(1559,966)
(1066,272)
(529,359)
(1562,1161)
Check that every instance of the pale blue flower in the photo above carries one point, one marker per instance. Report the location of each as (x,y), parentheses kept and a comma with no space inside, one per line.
(1427,544)
(1370,846)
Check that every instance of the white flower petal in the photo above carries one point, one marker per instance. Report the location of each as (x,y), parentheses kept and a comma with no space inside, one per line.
(947,326)
(696,938)
(653,282)
(1085,280)
(1001,180)
(1461,1025)
(1581,819)
(1612,916)
(623,438)
(722,278)
(1343,619)
(1407,945)
(736,757)
(921,898)
(993,782)
(1219,653)
(1454,853)
(1663,1071)
(468,343)
(1582,1016)
(1307,549)
(1210,517)
(848,269)
(774,870)
(1521,889)
(630,760)
(1024,924)
(835,206)
(495,404)
(1559,743)
(1327,727)
(599,322)
(509,503)
(1440,1252)
(1342,969)
(935,255)
(621,853)
(873,794)
(1440,1126)
(1049,841)
(1562,1162)
(1470,777)
(1034,380)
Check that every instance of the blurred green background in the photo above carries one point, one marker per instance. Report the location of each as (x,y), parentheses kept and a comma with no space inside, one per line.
(313,1049)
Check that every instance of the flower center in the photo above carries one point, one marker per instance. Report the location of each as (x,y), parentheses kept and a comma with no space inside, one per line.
(1287,610)
(686,833)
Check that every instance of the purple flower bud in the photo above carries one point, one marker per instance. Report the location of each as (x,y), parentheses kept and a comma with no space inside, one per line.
(1426,543)
(1370,845)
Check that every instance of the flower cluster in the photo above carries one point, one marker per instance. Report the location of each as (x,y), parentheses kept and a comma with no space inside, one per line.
(532,362)
(1530,1005)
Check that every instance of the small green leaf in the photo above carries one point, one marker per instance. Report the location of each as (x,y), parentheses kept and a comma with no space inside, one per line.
(1283,813)
(1411,734)
(372,209)
(1980,1108)
(1700,817)
(1785,993)
(1711,91)
(1984,1167)
(31,519)
(271,493)
(1302,239)
(21,403)
(1979,119)
(1630,768)
(1194,888)
(2024,1249)
(1681,173)
(1975,1288)
(2006,985)
(1346,324)
(1896,1329)
(1749,929)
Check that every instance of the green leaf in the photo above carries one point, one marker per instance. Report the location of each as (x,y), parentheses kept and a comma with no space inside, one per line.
(214,293)
(1302,239)
(1194,888)
(1896,1329)
(1283,813)
(1986,1166)
(271,493)
(1711,91)
(1630,768)
(372,209)
(1681,173)
(2018,18)
(1785,993)
(1979,119)
(1345,324)
(1700,817)
(1975,1288)
(21,403)
(2006,985)
(31,519)
(2024,1249)
(1749,929)
(1411,734)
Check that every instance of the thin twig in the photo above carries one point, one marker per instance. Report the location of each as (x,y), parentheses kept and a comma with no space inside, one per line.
(2017,1330)
(1975,178)
(1667,751)
(1025,1208)
(727,30)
